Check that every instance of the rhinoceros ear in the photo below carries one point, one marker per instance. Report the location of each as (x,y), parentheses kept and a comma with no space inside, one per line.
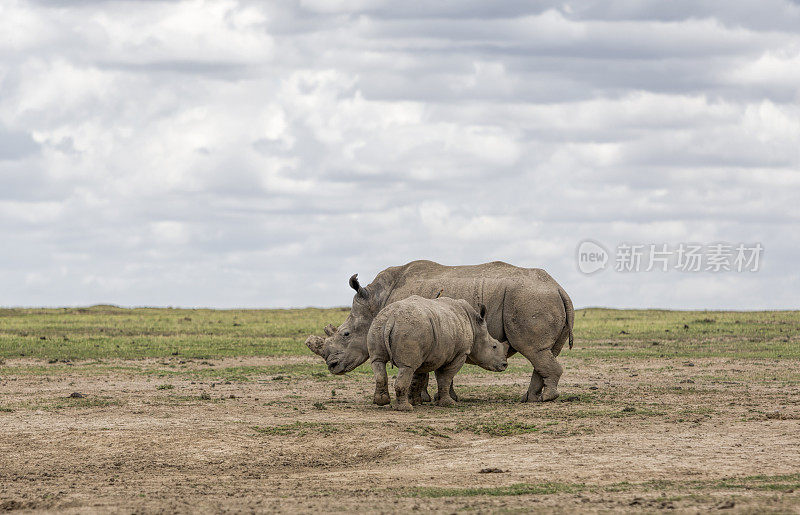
(481,313)
(357,287)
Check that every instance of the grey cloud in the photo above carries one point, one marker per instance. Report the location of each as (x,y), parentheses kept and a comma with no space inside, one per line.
(370,136)
(767,15)
(196,67)
(16,144)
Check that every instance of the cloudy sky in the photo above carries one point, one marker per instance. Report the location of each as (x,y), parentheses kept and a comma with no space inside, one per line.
(256,154)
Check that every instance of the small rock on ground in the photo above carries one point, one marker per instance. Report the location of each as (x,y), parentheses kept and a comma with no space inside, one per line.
(491,470)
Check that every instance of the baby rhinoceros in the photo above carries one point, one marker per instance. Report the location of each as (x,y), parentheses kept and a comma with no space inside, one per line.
(420,335)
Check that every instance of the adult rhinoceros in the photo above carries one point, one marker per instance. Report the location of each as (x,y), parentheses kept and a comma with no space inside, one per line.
(525,307)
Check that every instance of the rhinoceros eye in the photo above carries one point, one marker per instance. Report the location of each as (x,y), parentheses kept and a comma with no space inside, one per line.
(494,346)
(347,333)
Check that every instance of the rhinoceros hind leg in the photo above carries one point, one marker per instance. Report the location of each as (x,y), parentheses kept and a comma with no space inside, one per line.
(534,393)
(424,390)
(534,338)
(381,397)
(402,385)
(550,371)
(417,387)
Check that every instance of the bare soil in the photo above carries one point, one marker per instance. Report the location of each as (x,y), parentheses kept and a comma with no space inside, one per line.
(655,434)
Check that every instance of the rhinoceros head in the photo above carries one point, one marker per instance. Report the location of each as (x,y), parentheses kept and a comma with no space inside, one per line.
(486,352)
(345,348)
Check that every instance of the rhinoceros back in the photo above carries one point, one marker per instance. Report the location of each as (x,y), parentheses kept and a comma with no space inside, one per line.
(506,291)
(416,328)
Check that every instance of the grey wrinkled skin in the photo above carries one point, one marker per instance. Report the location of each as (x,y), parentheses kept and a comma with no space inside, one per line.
(421,335)
(525,307)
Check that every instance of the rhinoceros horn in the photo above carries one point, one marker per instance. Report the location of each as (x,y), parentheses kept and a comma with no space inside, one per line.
(317,345)
(330,329)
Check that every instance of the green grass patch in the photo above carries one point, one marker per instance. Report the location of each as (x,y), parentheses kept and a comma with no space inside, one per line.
(183,400)
(108,331)
(90,402)
(498,427)
(102,332)
(781,482)
(426,431)
(776,483)
(235,373)
(69,402)
(611,333)
(497,491)
(298,429)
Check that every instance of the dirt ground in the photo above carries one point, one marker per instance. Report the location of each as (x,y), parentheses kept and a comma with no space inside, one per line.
(624,436)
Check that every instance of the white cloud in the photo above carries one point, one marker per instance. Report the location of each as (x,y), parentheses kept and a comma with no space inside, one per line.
(776,70)
(236,153)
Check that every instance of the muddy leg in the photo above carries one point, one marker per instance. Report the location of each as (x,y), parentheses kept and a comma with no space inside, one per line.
(534,393)
(415,394)
(534,337)
(402,384)
(381,397)
(424,391)
(452,394)
(444,380)
(550,371)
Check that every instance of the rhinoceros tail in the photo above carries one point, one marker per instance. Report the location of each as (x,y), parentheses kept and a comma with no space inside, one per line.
(387,338)
(570,313)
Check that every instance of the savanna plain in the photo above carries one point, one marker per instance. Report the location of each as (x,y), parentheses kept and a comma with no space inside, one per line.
(148,410)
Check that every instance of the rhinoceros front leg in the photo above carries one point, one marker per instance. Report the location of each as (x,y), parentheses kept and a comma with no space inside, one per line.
(381,397)
(444,379)
(402,385)
(452,394)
